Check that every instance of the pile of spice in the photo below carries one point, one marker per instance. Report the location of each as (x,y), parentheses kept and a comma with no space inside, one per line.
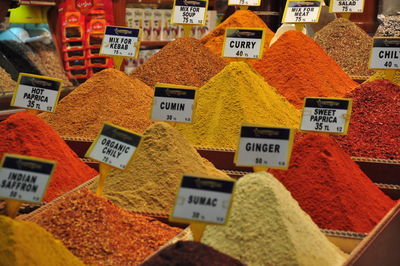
(108,96)
(380,74)
(26,243)
(150,182)
(26,134)
(240,19)
(266,226)
(304,70)
(49,61)
(234,96)
(190,253)
(6,82)
(390,27)
(348,44)
(100,233)
(184,61)
(375,121)
(331,188)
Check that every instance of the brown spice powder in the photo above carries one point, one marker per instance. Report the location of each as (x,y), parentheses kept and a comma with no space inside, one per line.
(348,44)
(109,95)
(184,61)
(6,82)
(100,233)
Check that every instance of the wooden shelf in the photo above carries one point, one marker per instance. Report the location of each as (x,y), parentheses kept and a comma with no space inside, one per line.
(37,3)
(153,43)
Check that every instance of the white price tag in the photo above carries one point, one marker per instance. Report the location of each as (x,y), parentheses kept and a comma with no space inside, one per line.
(36,92)
(189,12)
(173,103)
(202,199)
(340,6)
(24,178)
(326,115)
(114,146)
(302,12)
(244,2)
(243,43)
(385,53)
(264,146)
(120,41)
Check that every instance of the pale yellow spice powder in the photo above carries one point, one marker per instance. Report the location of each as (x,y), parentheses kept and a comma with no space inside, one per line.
(150,182)
(26,243)
(266,226)
(234,96)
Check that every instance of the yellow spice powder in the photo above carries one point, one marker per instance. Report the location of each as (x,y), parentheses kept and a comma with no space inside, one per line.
(150,182)
(26,243)
(380,74)
(234,96)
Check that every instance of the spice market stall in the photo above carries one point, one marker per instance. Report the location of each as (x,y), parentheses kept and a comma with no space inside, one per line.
(220,147)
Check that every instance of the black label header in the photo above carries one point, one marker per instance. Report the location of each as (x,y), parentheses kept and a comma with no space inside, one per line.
(121,135)
(207,184)
(174,93)
(265,132)
(327,103)
(28,165)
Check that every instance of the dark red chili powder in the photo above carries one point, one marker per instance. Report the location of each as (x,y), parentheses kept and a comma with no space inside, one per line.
(190,253)
(26,134)
(374,130)
(331,188)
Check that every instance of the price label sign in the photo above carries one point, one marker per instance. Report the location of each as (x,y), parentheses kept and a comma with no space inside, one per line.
(302,12)
(339,6)
(173,103)
(243,43)
(121,41)
(326,115)
(264,146)
(114,146)
(24,178)
(203,200)
(244,2)
(36,92)
(385,53)
(189,12)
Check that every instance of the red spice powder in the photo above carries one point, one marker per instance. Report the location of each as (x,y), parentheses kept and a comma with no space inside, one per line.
(26,134)
(374,130)
(101,233)
(331,188)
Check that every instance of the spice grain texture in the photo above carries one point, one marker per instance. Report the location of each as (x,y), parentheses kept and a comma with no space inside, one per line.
(25,243)
(192,254)
(150,182)
(100,233)
(214,40)
(266,226)
(184,61)
(331,188)
(108,96)
(26,134)
(348,44)
(234,96)
(374,130)
(304,70)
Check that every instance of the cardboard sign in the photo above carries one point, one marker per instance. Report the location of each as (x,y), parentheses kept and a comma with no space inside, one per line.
(385,53)
(329,115)
(114,146)
(173,103)
(203,200)
(340,6)
(189,12)
(121,41)
(36,92)
(24,178)
(264,146)
(243,43)
(302,12)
